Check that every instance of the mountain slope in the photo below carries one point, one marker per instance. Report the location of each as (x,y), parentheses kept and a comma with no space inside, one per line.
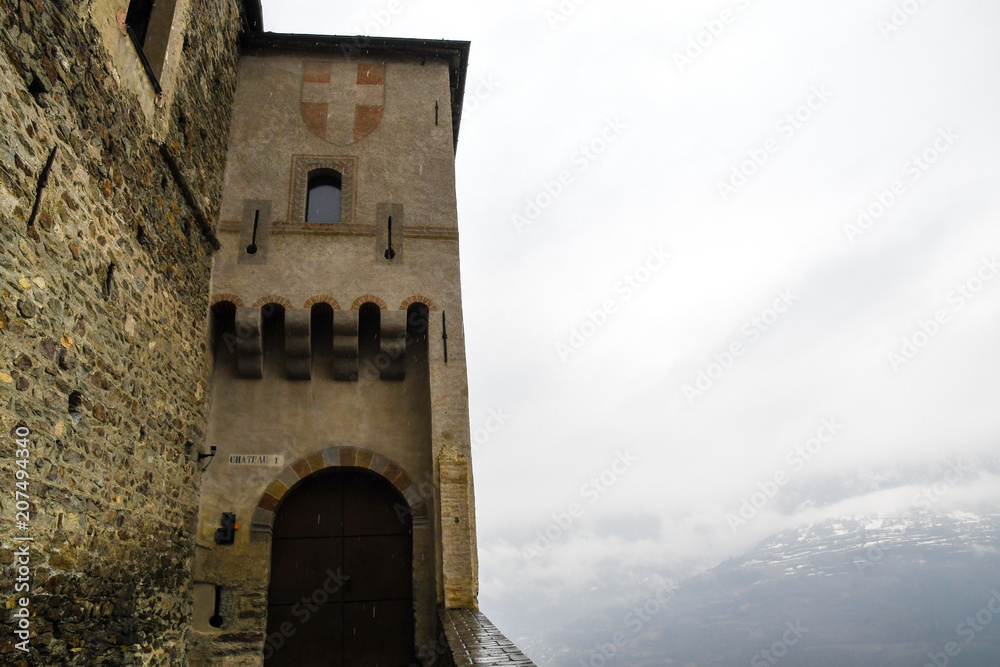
(873,592)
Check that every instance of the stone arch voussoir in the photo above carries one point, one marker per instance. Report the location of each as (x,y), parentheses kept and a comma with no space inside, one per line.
(221,298)
(417,298)
(369,298)
(336,457)
(321,298)
(273,298)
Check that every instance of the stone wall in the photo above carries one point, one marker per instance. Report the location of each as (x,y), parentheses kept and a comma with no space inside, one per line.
(104,271)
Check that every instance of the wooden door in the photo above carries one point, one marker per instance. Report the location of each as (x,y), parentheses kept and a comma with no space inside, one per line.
(341,590)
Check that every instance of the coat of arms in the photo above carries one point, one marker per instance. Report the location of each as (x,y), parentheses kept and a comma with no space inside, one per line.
(342,101)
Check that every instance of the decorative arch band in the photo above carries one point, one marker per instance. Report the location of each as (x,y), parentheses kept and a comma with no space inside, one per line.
(336,457)
(369,298)
(321,298)
(273,298)
(417,298)
(231,298)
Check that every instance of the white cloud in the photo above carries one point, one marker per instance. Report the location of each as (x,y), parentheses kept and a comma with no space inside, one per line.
(657,185)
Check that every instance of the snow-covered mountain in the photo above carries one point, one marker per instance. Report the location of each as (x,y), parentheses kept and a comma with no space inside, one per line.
(865,592)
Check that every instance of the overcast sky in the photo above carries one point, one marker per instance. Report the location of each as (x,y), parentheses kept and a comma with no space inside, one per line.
(668,278)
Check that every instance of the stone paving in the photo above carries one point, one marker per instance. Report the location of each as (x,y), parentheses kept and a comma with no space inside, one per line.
(474,640)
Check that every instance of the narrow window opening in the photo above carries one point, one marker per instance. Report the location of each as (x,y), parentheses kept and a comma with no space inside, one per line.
(36,87)
(43,180)
(323,196)
(444,336)
(369,332)
(252,248)
(273,332)
(321,328)
(417,322)
(216,620)
(75,404)
(109,290)
(417,325)
(223,336)
(389,252)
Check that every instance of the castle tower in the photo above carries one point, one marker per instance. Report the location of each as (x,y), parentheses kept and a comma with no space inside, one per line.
(215,239)
(336,517)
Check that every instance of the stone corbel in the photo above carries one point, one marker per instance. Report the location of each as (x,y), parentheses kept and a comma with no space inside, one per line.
(393,345)
(345,345)
(298,347)
(249,347)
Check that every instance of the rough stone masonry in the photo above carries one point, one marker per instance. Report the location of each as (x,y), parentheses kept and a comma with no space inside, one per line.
(103,294)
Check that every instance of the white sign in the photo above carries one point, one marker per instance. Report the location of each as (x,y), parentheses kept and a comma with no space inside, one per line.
(257,459)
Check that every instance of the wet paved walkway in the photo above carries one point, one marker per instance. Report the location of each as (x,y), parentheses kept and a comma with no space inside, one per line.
(474,640)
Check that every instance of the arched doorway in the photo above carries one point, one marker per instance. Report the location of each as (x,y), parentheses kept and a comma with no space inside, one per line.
(341,589)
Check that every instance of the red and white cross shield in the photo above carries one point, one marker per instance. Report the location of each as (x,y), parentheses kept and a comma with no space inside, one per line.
(342,101)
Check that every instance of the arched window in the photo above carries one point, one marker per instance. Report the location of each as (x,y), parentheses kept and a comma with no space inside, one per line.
(223,336)
(369,332)
(323,184)
(321,340)
(323,197)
